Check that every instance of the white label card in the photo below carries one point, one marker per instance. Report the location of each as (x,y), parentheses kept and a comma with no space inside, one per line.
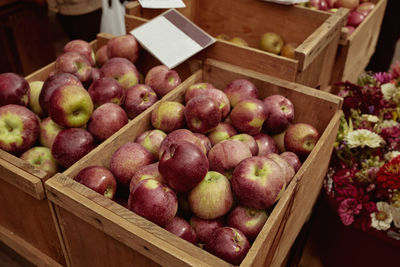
(172,38)
(162,3)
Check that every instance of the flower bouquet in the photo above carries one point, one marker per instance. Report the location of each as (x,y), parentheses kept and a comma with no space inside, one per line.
(363,180)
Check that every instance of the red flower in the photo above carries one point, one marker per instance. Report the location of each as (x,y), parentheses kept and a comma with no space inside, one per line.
(347,209)
(388,176)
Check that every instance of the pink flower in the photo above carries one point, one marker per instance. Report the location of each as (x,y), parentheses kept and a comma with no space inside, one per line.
(347,209)
(382,77)
(395,70)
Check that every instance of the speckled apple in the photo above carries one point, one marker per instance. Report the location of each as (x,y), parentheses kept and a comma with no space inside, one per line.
(138,98)
(222,132)
(280,111)
(99,179)
(240,89)
(180,135)
(122,70)
(266,144)
(202,114)
(14,89)
(101,56)
(106,90)
(292,159)
(48,132)
(248,116)
(82,47)
(180,227)
(162,80)
(76,64)
(287,169)
(205,228)
(301,139)
(151,140)
(168,116)
(125,46)
(41,157)
(248,140)
(146,172)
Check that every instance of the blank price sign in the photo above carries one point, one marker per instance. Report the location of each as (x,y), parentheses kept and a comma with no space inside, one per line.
(172,38)
(161,3)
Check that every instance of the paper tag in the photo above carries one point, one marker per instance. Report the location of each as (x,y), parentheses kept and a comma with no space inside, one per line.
(287,2)
(162,3)
(172,38)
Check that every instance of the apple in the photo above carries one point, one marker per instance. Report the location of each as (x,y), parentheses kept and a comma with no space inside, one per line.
(76,64)
(331,3)
(122,70)
(225,155)
(52,83)
(138,98)
(181,135)
(301,138)
(286,168)
(289,50)
(258,182)
(223,131)
(106,90)
(292,159)
(154,201)
(350,29)
(99,179)
(48,132)
(280,112)
(183,204)
(168,116)
(212,197)
(181,228)
(248,220)
(202,114)
(124,46)
(248,116)
(70,145)
(248,140)
(151,140)
(128,159)
(34,93)
(365,7)
(229,244)
(19,128)
(183,165)
(70,106)
(205,228)
(106,120)
(82,47)
(240,89)
(197,89)
(205,141)
(41,157)
(162,79)
(101,56)
(350,4)
(319,4)
(271,42)
(355,18)
(146,172)
(280,141)
(266,144)
(238,41)
(14,89)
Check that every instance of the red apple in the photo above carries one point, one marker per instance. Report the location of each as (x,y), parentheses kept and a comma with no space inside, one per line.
(101,56)
(181,135)
(350,4)
(151,140)
(248,140)
(197,89)
(162,80)
(19,128)
(280,112)
(331,3)
(99,179)
(248,116)
(82,47)
(41,157)
(222,132)
(14,89)
(229,244)
(183,165)
(355,18)
(124,46)
(248,220)
(205,141)
(258,182)
(181,228)
(292,159)
(168,116)
(280,141)
(76,64)
(106,90)
(286,168)
(212,197)
(122,70)
(366,7)
(154,201)
(138,98)
(350,29)
(202,114)
(301,138)
(106,120)
(241,89)
(146,172)
(205,228)
(48,132)
(266,144)
(70,145)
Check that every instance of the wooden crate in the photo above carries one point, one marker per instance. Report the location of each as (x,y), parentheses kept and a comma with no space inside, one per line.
(27,221)
(99,232)
(317,34)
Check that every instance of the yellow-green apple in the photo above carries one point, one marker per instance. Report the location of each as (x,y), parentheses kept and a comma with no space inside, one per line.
(286,168)
(70,106)
(146,172)
(106,90)
(138,98)
(127,159)
(266,144)
(280,141)
(212,197)
(248,140)
(82,47)
(258,182)
(181,135)
(122,70)
(301,138)
(248,220)
(125,46)
(225,155)
(205,228)
(204,140)
(355,18)
(34,93)
(162,79)
(248,116)
(154,201)
(14,89)
(51,84)
(48,132)
(271,42)
(180,227)
(168,116)
(183,165)
(41,157)
(222,132)
(19,128)
(101,56)
(288,50)
(229,244)
(240,89)
(99,179)
(76,64)
(223,36)
(292,159)
(151,140)
(196,89)
(70,145)
(106,120)
(350,4)
(202,114)
(238,41)
(280,112)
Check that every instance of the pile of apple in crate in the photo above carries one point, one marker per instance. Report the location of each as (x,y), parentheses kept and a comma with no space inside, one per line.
(209,171)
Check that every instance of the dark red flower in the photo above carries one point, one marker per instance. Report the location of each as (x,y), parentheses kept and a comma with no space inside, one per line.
(388,176)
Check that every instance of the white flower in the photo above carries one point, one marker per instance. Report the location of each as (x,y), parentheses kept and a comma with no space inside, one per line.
(391,155)
(362,138)
(370,118)
(388,90)
(382,219)
(395,209)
